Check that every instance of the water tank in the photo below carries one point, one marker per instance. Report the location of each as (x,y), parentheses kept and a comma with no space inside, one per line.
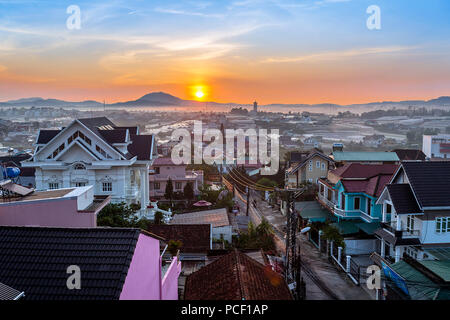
(9,172)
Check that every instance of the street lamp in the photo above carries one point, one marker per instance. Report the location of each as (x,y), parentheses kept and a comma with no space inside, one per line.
(299,279)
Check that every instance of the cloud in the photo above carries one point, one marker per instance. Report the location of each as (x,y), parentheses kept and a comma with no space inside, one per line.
(336,55)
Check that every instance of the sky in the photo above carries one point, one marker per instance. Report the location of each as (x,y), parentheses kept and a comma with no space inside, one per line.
(274,51)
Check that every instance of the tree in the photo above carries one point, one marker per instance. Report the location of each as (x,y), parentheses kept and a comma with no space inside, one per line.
(188,191)
(331,233)
(120,215)
(159,218)
(169,191)
(267,182)
(173,246)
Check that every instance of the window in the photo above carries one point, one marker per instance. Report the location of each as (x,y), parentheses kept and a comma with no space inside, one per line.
(409,223)
(318,164)
(388,208)
(178,185)
(157,186)
(102,152)
(323,166)
(357,203)
(80,184)
(53,185)
(107,186)
(56,152)
(310,180)
(310,165)
(81,136)
(443,225)
(79,166)
(157,170)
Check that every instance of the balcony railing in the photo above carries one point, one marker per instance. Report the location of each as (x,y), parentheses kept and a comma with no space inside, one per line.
(326,201)
(403,233)
(346,213)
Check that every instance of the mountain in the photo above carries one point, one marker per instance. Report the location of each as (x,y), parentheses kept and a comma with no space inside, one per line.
(160,99)
(153,99)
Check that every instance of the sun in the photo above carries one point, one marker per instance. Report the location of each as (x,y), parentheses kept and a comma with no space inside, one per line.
(199,94)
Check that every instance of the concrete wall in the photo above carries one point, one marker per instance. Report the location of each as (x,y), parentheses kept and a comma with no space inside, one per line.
(46,213)
(169,287)
(143,281)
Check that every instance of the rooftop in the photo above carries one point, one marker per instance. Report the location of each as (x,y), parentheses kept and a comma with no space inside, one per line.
(216,217)
(429,182)
(365,156)
(236,276)
(402,198)
(35,260)
(196,238)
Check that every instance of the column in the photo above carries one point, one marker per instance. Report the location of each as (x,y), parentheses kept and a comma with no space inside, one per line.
(383,248)
(348,264)
(384,213)
(66,179)
(397,254)
(142,189)
(399,224)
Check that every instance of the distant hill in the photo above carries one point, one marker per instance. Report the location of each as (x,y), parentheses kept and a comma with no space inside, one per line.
(159,99)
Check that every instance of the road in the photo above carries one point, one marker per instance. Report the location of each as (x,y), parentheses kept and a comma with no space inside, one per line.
(323,280)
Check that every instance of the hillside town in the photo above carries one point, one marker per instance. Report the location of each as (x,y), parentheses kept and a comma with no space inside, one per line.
(100,193)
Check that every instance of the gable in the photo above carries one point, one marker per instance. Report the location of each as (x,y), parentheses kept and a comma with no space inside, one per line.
(76,153)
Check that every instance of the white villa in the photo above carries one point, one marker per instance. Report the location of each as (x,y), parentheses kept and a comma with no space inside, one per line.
(115,160)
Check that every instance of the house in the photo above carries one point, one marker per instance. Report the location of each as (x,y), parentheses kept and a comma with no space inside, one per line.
(351,191)
(410,154)
(436,146)
(164,168)
(307,168)
(195,239)
(236,276)
(71,207)
(115,160)
(411,279)
(221,228)
(416,211)
(114,264)
(26,177)
(374,157)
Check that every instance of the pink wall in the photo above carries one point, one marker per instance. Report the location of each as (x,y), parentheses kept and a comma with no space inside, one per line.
(143,280)
(169,289)
(46,213)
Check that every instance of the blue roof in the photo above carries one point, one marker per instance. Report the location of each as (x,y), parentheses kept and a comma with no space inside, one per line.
(364,156)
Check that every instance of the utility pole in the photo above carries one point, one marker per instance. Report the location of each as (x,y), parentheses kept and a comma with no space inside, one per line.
(248,200)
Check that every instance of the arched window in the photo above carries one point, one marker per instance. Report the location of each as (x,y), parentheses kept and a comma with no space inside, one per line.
(79,166)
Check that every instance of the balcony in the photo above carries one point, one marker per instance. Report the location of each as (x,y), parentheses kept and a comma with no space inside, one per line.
(403,233)
(329,203)
(347,213)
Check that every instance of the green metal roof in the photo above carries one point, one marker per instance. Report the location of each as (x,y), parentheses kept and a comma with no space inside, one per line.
(364,156)
(440,268)
(439,253)
(419,286)
(347,227)
(312,211)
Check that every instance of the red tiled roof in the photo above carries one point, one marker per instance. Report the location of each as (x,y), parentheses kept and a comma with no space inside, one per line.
(196,238)
(358,170)
(372,186)
(236,276)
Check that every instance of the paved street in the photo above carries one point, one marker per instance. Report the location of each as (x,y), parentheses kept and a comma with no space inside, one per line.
(323,280)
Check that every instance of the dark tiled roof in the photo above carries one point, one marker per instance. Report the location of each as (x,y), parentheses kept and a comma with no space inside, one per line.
(236,276)
(141,146)
(403,198)
(35,260)
(410,154)
(430,182)
(114,136)
(95,123)
(46,135)
(196,238)
(132,130)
